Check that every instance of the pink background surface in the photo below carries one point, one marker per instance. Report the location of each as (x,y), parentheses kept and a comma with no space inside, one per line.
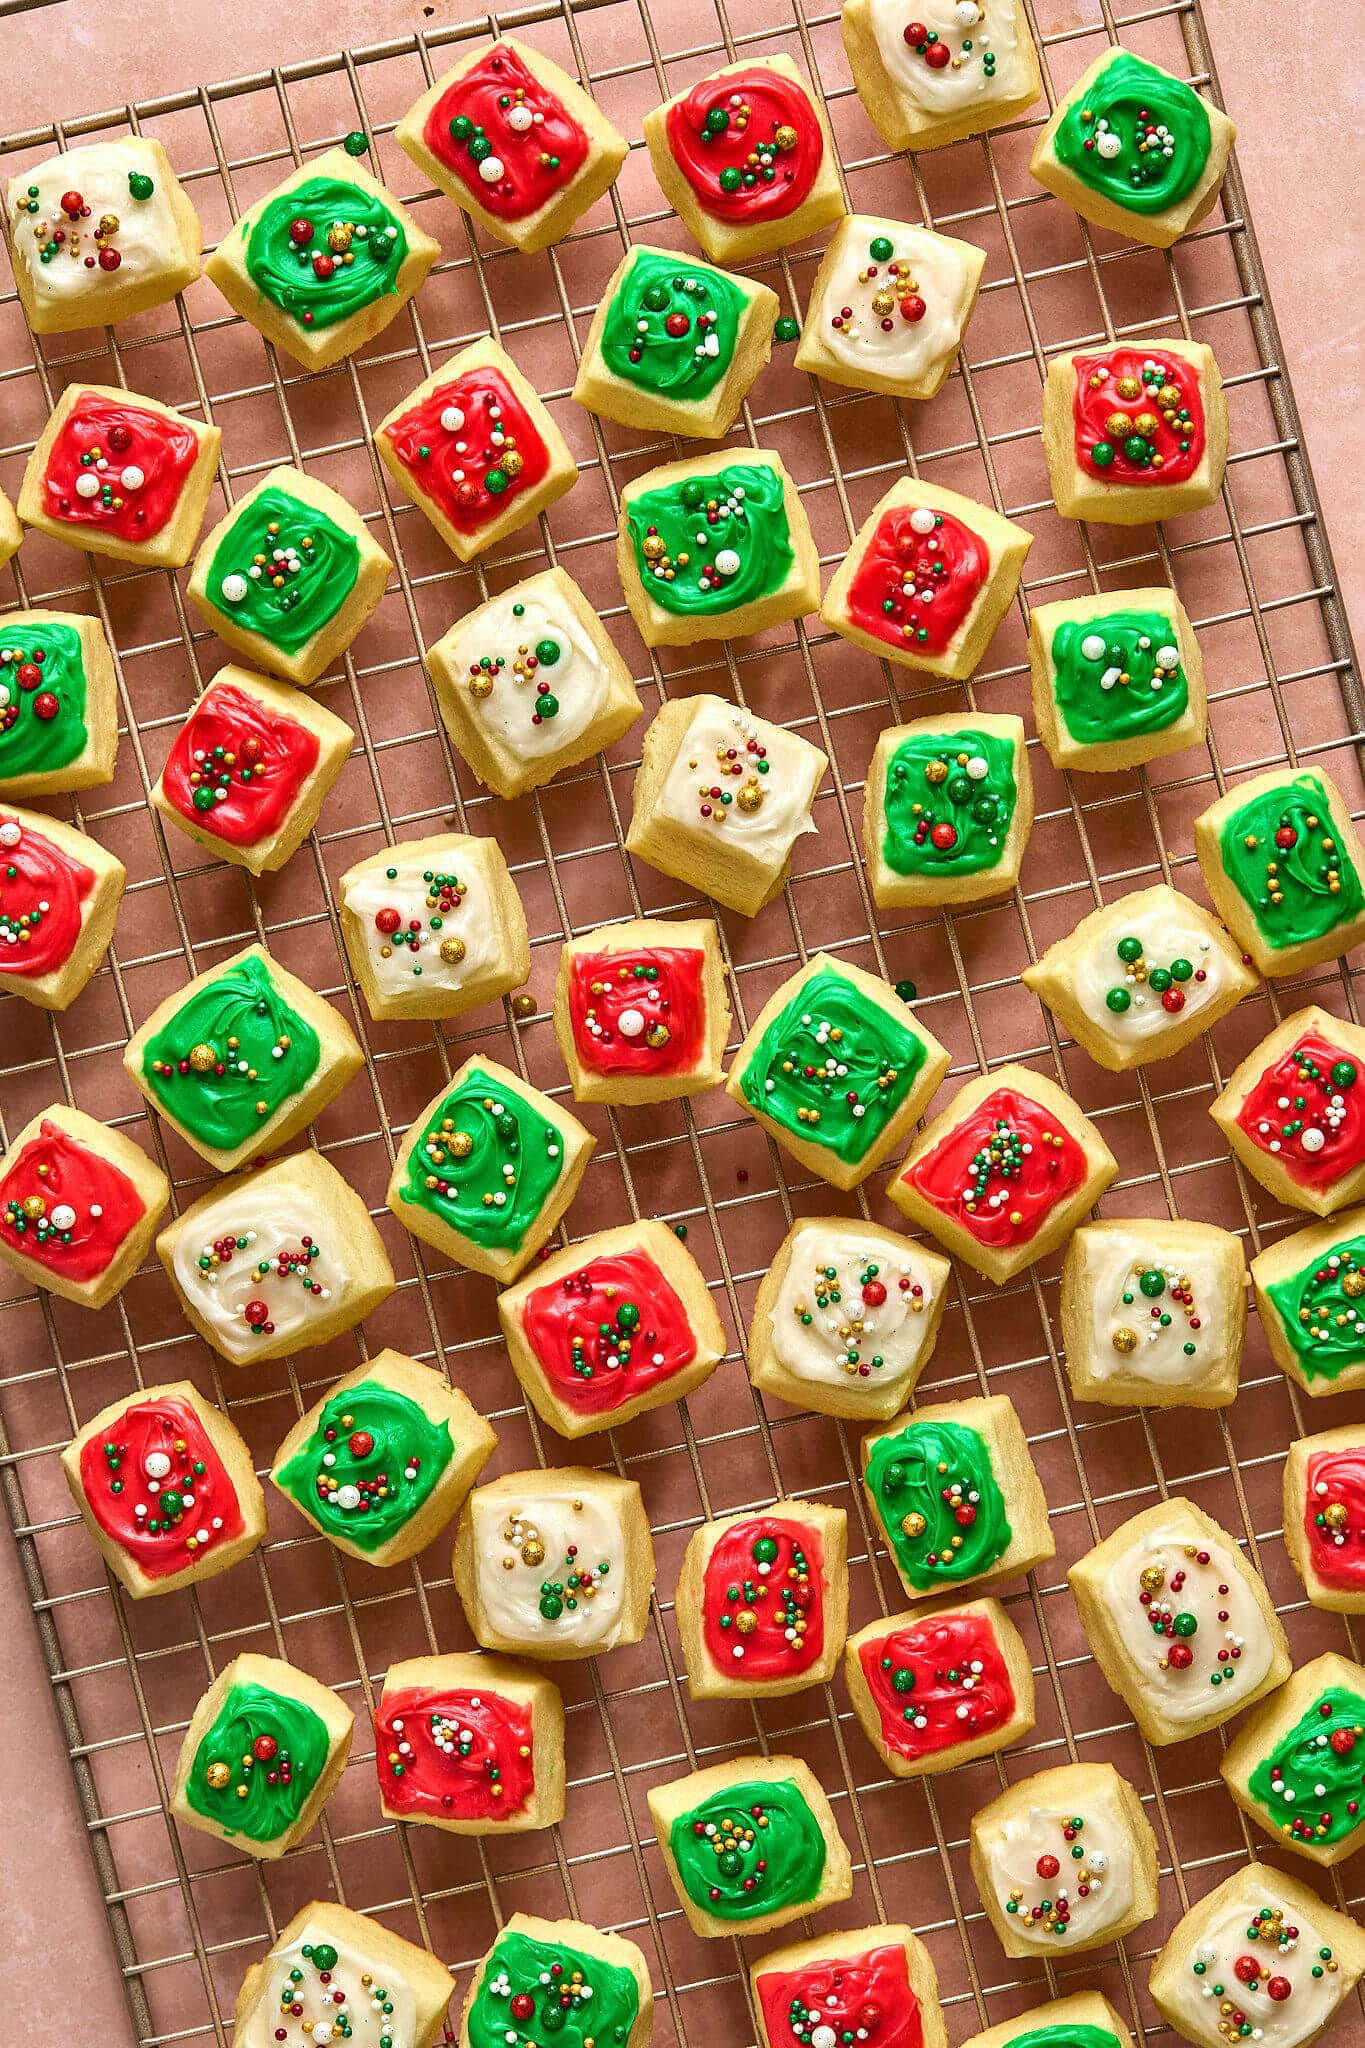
(1300,146)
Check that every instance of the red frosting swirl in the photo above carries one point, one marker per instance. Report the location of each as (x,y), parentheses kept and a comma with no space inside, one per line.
(454,1753)
(530,133)
(1334,1516)
(55,1173)
(867,1997)
(266,759)
(158,1488)
(114,445)
(486,457)
(962,1175)
(762,1603)
(1119,386)
(42,898)
(749,144)
(1306,1114)
(912,588)
(937,1682)
(657,989)
(609,1332)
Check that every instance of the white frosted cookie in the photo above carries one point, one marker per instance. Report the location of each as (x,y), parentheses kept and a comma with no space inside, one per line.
(434,926)
(328,1962)
(1065,1860)
(1153,1313)
(100,233)
(918,98)
(889,307)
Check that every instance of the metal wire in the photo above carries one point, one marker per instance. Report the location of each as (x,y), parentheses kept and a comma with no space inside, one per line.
(188,1916)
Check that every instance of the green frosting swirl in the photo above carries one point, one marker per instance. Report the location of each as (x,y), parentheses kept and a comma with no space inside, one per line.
(1275,849)
(263,1052)
(1320,1311)
(1161,126)
(709,544)
(1076,2036)
(656,289)
(944,815)
(492,1188)
(305,276)
(370,1464)
(1314,1774)
(274,1750)
(35,738)
(578,1997)
(939,1503)
(833,1068)
(717,1847)
(287,602)
(1122,691)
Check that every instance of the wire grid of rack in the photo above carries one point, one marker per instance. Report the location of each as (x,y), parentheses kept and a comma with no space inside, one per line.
(187,1915)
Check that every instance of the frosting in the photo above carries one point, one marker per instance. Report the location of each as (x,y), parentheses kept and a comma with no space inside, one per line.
(1062,1877)
(1001,1170)
(934,1490)
(1139,417)
(229,1059)
(324,250)
(1319,1318)
(936,1683)
(1334,1517)
(1153,1316)
(1310,1784)
(471,447)
(1118,675)
(862,1997)
(509,140)
(254,1267)
(283,569)
(370,1463)
(532,673)
(43,893)
(43,713)
(1187,1626)
(963,55)
(608,1333)
(704,545)
(423,926)
(748,142)
(1136,136)
(156,1486)
(65,1207)
(850,1308)
(638,1010)
(1282,856)
(750,1850)
(672,325)
(763,1599)
(455,1752)
(1138,975)
(1071,2034)
(315,1993)
(740,775)
(949,802)
(531,1989)
(237,767)
(834,1068)
(258,1763)
(894,301)
(117,469)
(1307,1110)
(918,580)
(486,1163)
(552,1570)
(93,219)
(1255,1972)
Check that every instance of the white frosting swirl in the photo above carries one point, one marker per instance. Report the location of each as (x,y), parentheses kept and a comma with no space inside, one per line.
(1186,1693)
(99,171)
(834,1344)
(991,28)
(1097,1887)
(522,1547)
(360,2020)
(787,789)
(577,679)
(1166,935)
(1276,2022)
(1160,1323)
(271,1220)
(879,336)
(365,895)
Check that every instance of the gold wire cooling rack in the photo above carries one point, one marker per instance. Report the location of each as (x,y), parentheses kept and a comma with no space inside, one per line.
(188,1915)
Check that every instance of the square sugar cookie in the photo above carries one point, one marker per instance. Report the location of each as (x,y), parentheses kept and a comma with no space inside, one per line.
(264,1751)
(100,273)
(840,1977)
(917,99)
(1307,1286)
(1117,679)
(383,1462)
(746,160)
(1324,1516)
(641,1011)
(291,1984)
(555,1564)
(713,547)
(289,576)
(750,1845)
(476,450)
(846,1318)
(762,1601)
(531,682)
(323,263)
(473,1744)
(837,1068)
(1064,1860)
(1293,1112)
(529,1961)
(928,578)
(118,474)
(955,1495)
(79,1205)
(1295,1765)
(889,307)
(271,1262)
(675,344)
(1083,2016)
(59,897)
(616,1324)
(1266,849)
(1005,1172)
(240,1060)
(166,1487)
(1134,149)
(1153,1313)
(488,1169)
(1179,1624)
(59,706)
(1135,433)
(720,799)
(510,137)
(933,1689)
(1141,977)
(947,810)
(1306,1959)
(433,927)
